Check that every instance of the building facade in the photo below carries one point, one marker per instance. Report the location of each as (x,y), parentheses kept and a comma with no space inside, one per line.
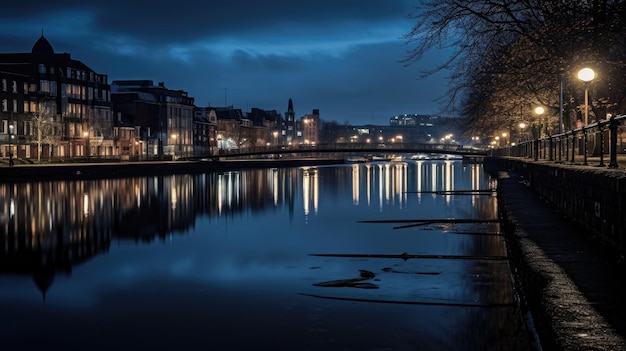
(310,128)
(53,106)
(164,118)
(204,132)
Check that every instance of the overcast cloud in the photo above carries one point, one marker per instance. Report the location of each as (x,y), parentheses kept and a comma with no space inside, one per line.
(341,57)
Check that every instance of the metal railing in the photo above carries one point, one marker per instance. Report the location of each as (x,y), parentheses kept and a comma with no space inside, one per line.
(601,140)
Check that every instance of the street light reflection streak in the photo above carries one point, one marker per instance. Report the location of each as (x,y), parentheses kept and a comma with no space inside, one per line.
(448,179)
(355,184)
(419,166)
(380,187)
(305,194)
(368,183)
(275,185)
(433,179)
(475,179)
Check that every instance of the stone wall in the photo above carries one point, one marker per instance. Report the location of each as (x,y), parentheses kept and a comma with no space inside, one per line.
(590,196)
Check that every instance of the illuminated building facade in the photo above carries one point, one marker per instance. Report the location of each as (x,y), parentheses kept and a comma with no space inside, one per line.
(310,128)
(57,106)
(164,117)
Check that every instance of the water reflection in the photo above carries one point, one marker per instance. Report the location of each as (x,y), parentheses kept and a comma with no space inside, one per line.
(48,227)
(224,253)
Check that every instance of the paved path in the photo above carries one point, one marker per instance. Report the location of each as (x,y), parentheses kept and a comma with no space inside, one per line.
(575,293)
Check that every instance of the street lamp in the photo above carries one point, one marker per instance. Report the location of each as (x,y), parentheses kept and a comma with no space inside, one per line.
(539,110)
(586,75)
(175,137)
(87,146)
(11,144)
(522,125)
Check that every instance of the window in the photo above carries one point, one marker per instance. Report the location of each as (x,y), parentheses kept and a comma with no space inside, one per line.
(4,85)
(14,105)
(42,68)
(45,86)
(14,87)
(5,106)
(53,88)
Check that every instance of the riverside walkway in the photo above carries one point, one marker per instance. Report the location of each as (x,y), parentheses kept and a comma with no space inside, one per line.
(574,290)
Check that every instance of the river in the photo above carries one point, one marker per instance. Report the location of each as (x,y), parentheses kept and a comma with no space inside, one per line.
(368,256)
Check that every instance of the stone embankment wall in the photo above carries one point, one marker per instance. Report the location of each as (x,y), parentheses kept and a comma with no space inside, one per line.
(592,197)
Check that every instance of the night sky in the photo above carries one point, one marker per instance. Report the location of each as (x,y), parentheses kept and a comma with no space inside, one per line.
(341,57)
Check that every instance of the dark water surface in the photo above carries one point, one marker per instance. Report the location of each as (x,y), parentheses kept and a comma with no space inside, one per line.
(228,261)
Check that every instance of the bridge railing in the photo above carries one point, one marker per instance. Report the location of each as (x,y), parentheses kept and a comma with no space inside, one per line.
(602,140)
(351,147)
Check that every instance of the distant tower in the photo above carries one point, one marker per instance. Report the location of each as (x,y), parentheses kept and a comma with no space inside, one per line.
(289,133)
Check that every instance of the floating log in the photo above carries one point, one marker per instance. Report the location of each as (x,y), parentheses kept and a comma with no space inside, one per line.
(434,303)
(476,233)
(442,220)
(406,256)
(391,270)
(348,283)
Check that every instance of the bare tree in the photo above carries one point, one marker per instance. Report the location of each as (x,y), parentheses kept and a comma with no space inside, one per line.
(45,126)
(510,55)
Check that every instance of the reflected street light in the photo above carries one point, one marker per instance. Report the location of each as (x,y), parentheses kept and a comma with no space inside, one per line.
(586,75)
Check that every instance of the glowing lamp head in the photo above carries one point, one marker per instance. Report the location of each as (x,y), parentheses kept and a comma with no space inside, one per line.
(539,110)
(586,74)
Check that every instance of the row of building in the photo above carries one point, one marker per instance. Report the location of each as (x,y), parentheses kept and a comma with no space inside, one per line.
(56,107)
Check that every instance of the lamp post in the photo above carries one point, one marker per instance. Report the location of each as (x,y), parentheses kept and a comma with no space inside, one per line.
(87,146)
(11,144)
(174,137)
(586,75)
(539,110)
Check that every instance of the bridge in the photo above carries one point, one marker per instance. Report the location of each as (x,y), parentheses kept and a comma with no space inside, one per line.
(350,148)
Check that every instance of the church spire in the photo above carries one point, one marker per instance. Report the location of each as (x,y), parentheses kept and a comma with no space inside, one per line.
(290,106)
